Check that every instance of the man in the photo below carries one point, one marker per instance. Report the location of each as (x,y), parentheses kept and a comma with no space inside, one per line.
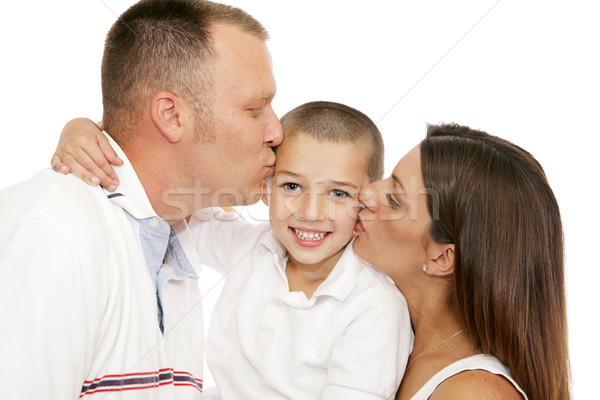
(98,291)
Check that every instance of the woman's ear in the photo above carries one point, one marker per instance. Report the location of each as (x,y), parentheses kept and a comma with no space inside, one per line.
(442,261)
(168,115)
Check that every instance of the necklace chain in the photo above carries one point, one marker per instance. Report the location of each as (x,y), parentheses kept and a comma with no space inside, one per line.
(432,348)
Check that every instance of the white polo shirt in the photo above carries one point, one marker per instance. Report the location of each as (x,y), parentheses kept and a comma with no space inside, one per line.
(350,340)
(79,305)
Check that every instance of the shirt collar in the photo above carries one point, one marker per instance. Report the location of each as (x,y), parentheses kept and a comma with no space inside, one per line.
(343,277)
(187,242)
(341,280)
(270,243)
(130,195)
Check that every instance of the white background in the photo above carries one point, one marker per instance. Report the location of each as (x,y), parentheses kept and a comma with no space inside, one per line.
(527,71)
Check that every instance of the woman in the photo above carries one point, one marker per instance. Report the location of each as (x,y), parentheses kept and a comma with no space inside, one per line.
(470,232)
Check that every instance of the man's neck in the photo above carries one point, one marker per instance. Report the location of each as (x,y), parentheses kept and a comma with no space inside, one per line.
(168,197)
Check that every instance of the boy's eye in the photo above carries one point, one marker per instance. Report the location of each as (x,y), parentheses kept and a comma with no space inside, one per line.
(339,193)
(292,187)
(391,202)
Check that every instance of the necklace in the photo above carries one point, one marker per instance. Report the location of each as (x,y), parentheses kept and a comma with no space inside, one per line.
(432,348)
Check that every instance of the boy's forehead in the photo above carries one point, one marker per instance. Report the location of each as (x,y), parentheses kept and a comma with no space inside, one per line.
(302,148)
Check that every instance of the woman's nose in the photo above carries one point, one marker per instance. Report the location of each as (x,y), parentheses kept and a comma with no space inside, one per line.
(367,197)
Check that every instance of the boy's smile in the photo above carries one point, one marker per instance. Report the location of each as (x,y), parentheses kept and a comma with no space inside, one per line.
(309,237)
(314,200)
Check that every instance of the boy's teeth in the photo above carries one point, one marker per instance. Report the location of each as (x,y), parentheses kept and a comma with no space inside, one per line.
(309,235)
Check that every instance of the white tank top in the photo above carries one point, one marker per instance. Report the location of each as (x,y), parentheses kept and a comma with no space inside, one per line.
(479,361)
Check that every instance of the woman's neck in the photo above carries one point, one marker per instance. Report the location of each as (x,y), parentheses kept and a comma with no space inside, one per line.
(432,317)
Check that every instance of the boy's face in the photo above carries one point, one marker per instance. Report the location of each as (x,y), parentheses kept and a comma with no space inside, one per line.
(314,197)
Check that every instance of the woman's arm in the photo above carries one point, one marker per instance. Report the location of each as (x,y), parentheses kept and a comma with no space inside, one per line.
(84,151)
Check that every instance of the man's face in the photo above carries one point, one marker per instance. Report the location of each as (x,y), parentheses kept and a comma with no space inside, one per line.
(242,124)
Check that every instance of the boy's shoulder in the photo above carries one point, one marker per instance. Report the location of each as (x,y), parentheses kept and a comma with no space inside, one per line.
(372,280)
(363,283)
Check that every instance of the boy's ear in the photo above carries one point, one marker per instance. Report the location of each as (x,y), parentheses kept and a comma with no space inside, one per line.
(266,191)
(168,115)
(441,263)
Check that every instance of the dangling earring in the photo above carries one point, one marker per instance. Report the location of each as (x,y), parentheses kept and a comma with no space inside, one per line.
(424,267)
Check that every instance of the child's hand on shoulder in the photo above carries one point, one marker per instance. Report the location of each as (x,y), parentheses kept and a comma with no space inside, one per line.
(84,151)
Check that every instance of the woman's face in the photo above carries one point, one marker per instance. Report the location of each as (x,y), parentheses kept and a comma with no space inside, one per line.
(392,228)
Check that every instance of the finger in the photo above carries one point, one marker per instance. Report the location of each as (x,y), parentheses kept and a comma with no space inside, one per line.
(80,172)
(100,125)
(84,168)
(59,166)
(108,151)
(97,164)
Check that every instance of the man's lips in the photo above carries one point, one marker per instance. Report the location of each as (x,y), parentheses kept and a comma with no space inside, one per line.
(271,166)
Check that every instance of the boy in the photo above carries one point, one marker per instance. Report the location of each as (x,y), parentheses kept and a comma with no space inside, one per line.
(300,316)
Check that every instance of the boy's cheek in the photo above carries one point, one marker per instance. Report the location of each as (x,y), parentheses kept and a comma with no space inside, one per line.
(352,208)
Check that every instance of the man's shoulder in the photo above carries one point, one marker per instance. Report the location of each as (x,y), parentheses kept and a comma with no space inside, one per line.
(54,199)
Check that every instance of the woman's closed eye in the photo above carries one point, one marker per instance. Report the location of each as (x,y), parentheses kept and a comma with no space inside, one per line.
(391,202)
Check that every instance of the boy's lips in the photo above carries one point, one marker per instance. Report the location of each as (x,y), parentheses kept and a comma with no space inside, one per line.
(307,237)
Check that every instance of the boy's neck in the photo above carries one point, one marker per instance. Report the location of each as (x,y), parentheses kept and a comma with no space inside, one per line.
(307,277)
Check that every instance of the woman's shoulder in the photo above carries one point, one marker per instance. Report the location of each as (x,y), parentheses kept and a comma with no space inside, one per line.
(476,377)
(476,384)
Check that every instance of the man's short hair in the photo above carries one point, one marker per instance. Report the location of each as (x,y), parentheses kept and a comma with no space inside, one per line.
(327,121)
(163,45)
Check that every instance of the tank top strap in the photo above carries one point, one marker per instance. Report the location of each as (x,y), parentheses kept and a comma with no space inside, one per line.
(479,361)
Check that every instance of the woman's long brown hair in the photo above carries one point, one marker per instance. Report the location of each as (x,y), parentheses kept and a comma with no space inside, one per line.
(492,200)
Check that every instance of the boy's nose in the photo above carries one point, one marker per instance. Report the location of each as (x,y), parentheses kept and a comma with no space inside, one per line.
(311,207)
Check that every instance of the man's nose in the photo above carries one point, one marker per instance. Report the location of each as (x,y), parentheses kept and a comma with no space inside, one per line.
(274,131)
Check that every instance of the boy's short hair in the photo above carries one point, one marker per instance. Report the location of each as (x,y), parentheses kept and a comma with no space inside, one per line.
(334,122)
(163,45)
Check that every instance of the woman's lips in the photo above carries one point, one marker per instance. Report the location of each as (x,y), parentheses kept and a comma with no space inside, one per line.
(359,228)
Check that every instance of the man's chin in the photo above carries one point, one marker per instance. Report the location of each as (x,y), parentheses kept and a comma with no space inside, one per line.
(241,199)
(252,198)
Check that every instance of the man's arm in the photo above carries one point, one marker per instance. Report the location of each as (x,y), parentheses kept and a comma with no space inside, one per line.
(48,332)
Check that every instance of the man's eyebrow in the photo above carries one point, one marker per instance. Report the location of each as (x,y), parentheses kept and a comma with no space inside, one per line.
(398,181)
(265,97)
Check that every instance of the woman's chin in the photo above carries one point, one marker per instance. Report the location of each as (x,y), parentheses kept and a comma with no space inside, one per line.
(359,248)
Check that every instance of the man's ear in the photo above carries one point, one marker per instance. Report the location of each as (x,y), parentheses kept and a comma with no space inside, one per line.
(441,263)
(266,190)
(168,115)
